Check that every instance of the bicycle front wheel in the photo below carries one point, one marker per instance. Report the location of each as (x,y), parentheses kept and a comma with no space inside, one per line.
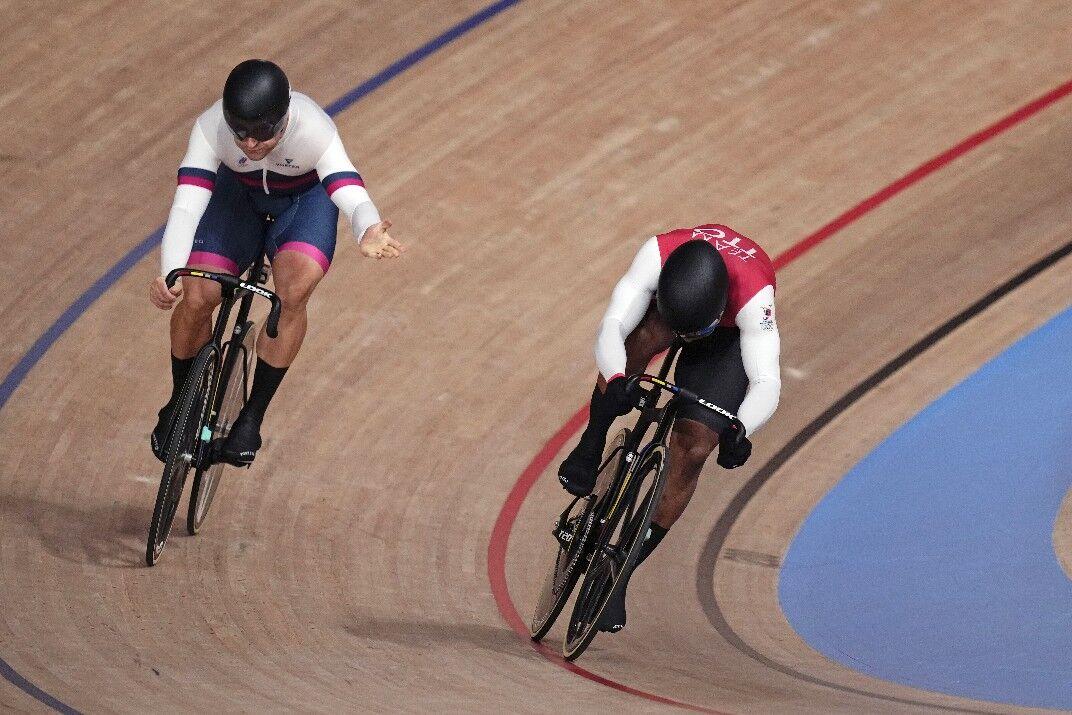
(616,550)
(182,447)
(573,531)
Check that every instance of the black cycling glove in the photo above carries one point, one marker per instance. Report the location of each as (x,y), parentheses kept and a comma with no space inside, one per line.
(622,400)
(734,449)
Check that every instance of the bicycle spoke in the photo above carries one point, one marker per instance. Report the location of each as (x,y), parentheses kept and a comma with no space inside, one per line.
(574,531)
(181,450)
(617,548)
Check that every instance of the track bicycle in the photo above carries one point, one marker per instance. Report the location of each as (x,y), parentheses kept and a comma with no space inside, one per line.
(212,396)
(599,536)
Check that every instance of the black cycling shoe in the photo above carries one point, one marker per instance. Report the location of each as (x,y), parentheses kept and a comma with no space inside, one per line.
(241,445)
(613,618)
(579,471)
(158,437)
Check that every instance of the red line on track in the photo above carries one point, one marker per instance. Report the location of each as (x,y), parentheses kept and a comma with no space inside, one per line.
(504,524)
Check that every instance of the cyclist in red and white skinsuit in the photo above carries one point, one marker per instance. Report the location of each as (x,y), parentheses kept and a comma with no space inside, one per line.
(721,303)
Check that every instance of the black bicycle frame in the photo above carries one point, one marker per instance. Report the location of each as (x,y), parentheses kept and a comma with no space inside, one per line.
(650,413)
(257,276)
(234,289)
(663,417)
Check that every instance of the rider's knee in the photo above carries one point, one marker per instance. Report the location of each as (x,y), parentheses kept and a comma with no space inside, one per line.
(296,277)
(200,297)
(697,442)
(295,294)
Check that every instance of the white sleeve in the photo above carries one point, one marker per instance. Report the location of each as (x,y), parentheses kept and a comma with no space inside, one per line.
(628,304)
(345,187)
(191,200)
(760,351)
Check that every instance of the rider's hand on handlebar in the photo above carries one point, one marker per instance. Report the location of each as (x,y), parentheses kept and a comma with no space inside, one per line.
(163,297)
(734,448)
(622,397)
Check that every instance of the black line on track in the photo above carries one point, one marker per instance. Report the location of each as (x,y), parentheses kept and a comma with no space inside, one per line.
(705,569)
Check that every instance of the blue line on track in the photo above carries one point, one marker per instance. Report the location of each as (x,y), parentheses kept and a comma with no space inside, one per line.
(931,563)
(41,346)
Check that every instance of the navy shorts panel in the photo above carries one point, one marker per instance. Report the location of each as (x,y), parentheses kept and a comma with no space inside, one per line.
(713,369)
(233,226)
(311,219)
(230,229)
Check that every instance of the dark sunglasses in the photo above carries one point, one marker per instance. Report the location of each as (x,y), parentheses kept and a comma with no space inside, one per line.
(697,334)
(261,131)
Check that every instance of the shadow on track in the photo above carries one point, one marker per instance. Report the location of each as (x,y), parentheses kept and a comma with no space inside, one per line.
(111,535)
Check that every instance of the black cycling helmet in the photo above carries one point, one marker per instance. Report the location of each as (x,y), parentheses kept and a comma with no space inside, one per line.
(256,97)
(692,289)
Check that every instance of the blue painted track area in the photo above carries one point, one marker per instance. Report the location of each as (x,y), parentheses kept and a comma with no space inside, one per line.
(931,563)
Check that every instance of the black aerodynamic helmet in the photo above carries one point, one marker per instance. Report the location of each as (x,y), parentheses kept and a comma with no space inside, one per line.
(693,287)
(256,97)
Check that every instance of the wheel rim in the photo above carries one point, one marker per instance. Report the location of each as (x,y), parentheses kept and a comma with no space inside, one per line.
(181,451)
(568,563)
(594,593)
(609,562)
(564,572)
(206,481)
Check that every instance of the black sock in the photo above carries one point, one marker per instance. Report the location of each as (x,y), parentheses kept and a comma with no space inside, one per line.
(655,535)
(180,369)
(266,380)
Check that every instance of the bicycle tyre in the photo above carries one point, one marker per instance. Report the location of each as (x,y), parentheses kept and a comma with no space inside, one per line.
(207,479)
(565,568)
(603,577)
(180,448)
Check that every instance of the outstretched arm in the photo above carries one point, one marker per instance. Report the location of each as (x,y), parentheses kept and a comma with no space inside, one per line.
(347,189)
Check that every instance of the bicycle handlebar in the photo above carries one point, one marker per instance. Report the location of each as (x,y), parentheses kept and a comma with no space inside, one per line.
(272,325)
(682,393)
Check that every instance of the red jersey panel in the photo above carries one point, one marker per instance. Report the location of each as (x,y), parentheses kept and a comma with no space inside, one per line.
(749,268)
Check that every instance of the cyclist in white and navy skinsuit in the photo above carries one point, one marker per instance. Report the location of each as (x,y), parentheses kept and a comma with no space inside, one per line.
(262,151)
(303,182)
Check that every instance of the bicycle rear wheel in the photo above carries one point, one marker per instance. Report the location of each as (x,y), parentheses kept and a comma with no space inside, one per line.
(615,552)
(236,362)
(573,531)
(181,449)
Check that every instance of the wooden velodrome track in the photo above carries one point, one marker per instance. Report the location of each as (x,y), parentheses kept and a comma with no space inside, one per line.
(362,564)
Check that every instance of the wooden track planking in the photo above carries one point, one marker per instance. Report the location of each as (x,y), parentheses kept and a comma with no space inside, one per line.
(348,566)
(99,110)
